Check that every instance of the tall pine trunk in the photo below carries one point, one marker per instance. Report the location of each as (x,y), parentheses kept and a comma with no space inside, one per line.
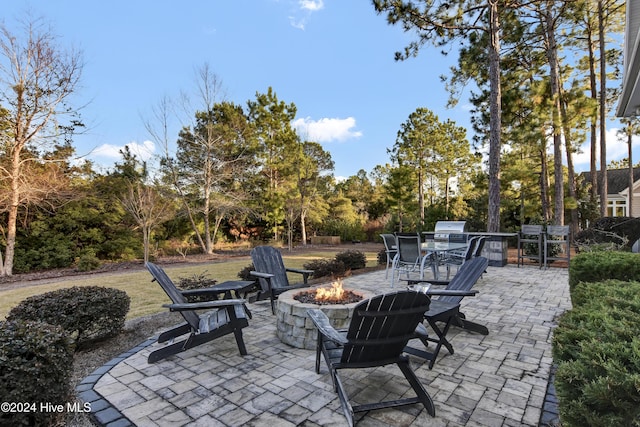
(554,77)
(594,116)
(495,119)
(603,186)
(544,183)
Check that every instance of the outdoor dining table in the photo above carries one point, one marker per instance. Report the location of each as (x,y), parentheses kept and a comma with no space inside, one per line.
(439,249)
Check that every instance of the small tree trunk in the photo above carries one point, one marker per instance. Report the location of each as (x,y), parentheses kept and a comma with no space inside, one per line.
(303,226)
(12,219)
(145,242)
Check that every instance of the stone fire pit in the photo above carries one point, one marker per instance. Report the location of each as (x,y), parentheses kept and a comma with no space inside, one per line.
(293,326)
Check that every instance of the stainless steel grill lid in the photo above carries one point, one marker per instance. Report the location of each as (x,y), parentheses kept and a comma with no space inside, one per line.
(446,231)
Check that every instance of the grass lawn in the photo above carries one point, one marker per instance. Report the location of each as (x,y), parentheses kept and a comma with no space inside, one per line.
(147,297)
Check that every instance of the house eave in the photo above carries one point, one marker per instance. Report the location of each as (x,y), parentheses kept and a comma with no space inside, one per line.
(629,101)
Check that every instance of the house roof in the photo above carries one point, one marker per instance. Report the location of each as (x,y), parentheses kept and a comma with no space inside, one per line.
(617,179)
(629,101)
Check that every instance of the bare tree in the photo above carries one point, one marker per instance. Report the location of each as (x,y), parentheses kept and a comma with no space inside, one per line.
(211,155)
(37,77)
(148,208)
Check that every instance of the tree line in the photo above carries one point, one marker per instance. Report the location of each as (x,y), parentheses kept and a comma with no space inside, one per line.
(238,172)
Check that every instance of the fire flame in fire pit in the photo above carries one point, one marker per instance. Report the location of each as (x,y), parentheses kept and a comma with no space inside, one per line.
(328,296)
(333,294)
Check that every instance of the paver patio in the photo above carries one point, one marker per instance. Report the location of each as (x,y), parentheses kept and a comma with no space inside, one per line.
(494,380)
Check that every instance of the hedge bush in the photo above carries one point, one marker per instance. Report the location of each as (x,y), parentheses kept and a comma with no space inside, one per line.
(382,257)
(599,266)
(245,273)
(87,313)
(353,259)
(35,367)
(597,348)
(88,261)
(326,267)
(196,281)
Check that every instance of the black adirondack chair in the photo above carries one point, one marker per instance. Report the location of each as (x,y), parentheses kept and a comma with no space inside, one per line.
(226,316)
(272,274)
(445,309)
(378,332)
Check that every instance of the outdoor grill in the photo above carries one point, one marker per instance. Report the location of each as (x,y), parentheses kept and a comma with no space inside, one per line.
(450,231)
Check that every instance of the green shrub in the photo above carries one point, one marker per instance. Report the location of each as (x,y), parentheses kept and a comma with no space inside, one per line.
(353,260)
(244,274)
(88,261)
(597,349)
(54,255)
(347,230)
(87,314)
(382,257)
(197,281)
(326,267)
(613,293)
(35,368)
(599,266)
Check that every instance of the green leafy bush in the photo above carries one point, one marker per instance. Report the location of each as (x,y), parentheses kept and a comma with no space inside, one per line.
(347,230)
(88,261)
(597,349)
(326,267)
(599,266)
(87,314)
(36,361)
(598,352)
(382,257)
(245,274)
(353,260)
(197,281)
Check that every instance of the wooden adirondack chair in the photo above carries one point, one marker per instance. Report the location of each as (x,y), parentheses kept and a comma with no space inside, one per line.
(272,274)
(378,332)
(445,309)
(226,316)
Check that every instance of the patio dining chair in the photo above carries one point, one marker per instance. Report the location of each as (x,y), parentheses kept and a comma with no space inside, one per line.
(390,249)
(557,244)
(377,334)
(457,258)
(530,244)
(410,257)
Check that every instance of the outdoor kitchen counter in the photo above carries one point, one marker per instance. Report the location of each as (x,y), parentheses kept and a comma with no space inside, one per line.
(495,248)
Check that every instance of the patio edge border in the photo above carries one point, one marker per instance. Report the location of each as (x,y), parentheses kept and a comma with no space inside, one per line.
(102,412)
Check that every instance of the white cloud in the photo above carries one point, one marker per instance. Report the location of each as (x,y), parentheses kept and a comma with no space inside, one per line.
(327,130)
(311,5)
(617,149)
(142,151)
(298,23)
(303,12)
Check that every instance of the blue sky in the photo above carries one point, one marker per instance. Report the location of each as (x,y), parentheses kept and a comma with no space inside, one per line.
(334,59)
